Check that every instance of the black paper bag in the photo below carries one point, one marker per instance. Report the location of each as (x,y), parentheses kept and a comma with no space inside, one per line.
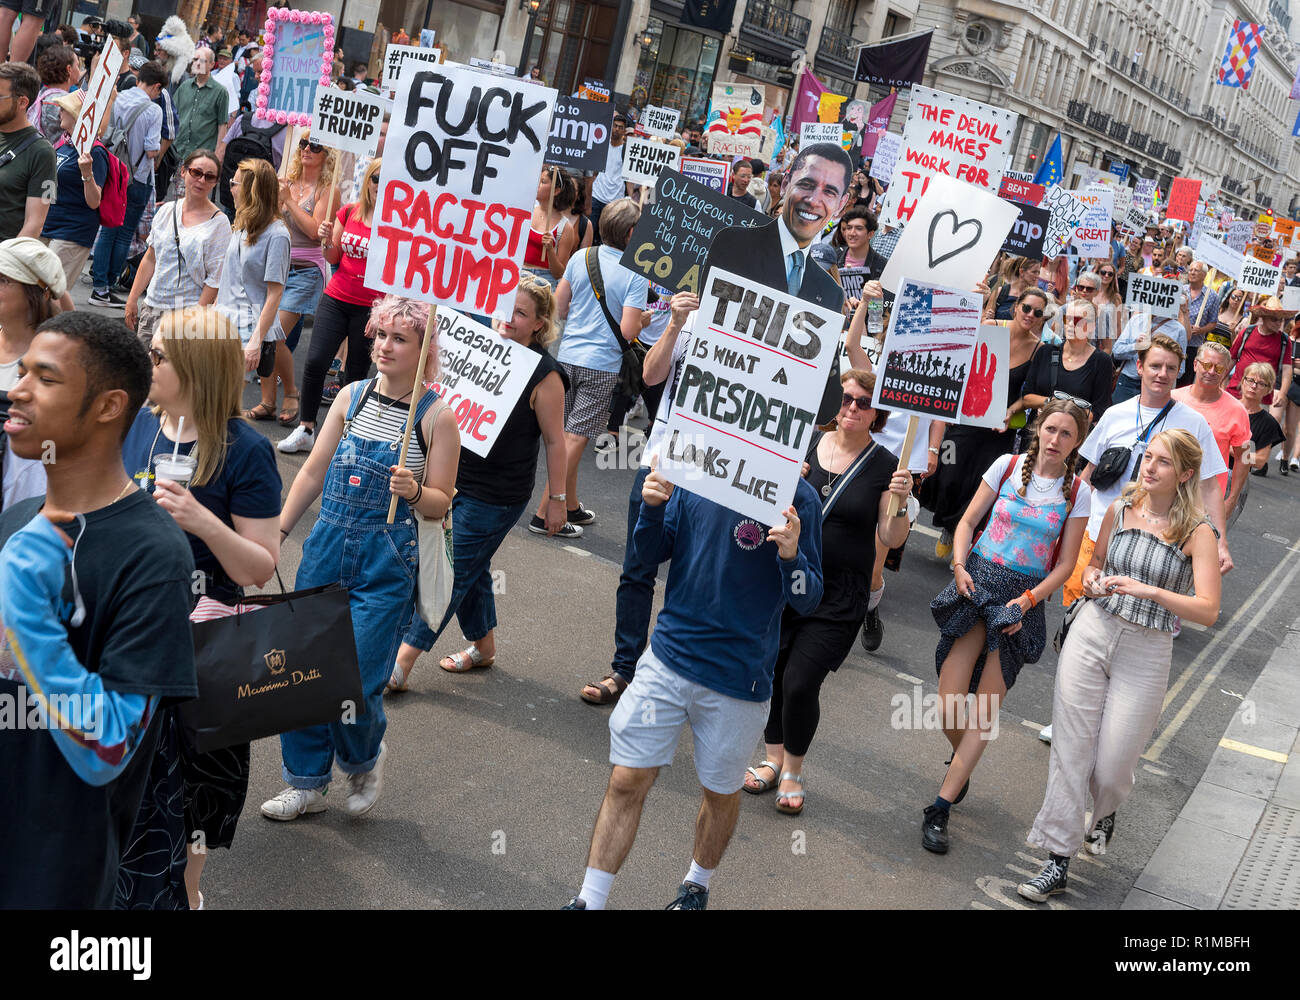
(290,664)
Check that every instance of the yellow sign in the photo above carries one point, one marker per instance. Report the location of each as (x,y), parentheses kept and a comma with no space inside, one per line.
(828,107)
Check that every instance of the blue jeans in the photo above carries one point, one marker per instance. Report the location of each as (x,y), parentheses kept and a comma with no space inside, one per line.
(477,531)
(352,545)
(636,592)
(112,245)
(1126,387)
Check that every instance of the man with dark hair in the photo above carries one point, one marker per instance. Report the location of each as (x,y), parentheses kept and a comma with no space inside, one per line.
(28,170)
(136,114)
(741,174)
(95,594)
(608,185)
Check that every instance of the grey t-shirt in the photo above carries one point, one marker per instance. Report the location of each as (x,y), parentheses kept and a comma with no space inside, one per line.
(242,292)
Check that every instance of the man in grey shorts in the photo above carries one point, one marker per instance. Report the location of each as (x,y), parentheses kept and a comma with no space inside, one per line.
(708,663)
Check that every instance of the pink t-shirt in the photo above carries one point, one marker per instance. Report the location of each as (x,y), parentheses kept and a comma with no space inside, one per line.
(1229,422)
(348,284)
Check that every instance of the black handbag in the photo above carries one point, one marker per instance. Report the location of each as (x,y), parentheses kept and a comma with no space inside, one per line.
(1114,462)
(630,378)
(290,664)
(1071,613)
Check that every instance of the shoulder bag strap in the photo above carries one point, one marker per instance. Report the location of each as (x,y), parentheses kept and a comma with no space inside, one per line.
(598,289)
(1060,537)
(14,153)
(126,130)
(1157,419)
(847,477)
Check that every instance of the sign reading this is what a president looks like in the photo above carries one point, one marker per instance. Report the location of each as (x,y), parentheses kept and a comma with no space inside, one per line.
(453,213)
(744,406)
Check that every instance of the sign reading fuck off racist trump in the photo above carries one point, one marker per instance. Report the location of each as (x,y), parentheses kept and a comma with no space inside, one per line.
(744,406)
(456,190)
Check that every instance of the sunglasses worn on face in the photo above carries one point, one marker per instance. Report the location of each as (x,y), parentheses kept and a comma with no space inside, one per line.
(863,403)
(1107,274)
(156,356)
(1029,310)
(202,175)
(1207,366)
(315,147)
(1085,288)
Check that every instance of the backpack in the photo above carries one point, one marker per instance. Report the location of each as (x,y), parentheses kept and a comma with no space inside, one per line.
(112,196)
(117,137)
(252,143)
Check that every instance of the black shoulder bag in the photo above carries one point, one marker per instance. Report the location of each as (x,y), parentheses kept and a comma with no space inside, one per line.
(1114,462)
(630,382)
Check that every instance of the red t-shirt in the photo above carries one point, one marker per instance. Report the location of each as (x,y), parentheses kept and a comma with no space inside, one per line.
(349,284)
(1255,347)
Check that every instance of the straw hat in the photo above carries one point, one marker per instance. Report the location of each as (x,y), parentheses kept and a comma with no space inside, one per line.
(70,102)
(1272,308)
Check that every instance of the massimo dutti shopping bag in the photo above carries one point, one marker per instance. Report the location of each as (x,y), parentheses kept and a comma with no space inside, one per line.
(288,664)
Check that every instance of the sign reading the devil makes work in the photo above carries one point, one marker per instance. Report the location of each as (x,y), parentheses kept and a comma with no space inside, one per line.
(946,134)
(645,159)
(481,376)
(741,417)
(579,138)
(348,120)
(1257,276)
(1157,296)
(453,213)
(926,358)
(672,237)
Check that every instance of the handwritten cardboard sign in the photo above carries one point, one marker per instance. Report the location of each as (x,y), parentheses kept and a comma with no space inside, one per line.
(744,408)
(1121,203)
(481,376)
(644,159)
(672,237)
(886,159)
(1092,234)
(953,236)
(810,132)
(735,121)
(925,362)
(579,137)
(97,98)
(661,121)
(1183,195)
(298,58)
(983,400)
(949,135)
(1157,296)
(452,220)
(348,120)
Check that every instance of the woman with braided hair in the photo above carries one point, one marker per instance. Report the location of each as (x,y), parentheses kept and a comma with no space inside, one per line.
(991,615)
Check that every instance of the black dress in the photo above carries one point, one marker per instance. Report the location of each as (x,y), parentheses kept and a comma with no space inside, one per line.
(966,453)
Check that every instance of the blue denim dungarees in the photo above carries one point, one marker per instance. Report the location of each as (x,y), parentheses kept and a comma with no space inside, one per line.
(352,545)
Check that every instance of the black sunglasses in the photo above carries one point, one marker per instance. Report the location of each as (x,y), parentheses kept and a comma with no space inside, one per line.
(1029,310)
(315,147)
(863,403)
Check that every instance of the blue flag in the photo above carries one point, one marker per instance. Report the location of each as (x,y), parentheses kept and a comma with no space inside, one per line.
(1295,129)
(1053,168)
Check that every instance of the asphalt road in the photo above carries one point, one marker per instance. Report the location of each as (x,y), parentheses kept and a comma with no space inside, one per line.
(494,777)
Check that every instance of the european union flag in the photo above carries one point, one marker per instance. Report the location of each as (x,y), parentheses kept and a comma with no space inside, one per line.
(1295,129)
(1053,168)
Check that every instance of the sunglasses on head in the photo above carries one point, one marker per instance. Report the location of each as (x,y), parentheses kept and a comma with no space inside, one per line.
(1082,404)
(310,144)
(1029,310)
(863,403)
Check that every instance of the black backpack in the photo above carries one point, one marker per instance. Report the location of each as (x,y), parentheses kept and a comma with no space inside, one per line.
(252,143)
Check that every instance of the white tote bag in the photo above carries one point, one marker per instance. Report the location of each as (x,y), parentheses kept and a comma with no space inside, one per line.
(433,590)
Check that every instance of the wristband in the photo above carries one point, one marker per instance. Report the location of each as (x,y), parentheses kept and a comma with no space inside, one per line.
(559,496)
(419,492)
(955,564)
(934,451)
(1033,601)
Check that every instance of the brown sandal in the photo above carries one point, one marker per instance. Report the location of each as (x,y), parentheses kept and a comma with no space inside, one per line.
(288,418)
(607,696)
(261,411)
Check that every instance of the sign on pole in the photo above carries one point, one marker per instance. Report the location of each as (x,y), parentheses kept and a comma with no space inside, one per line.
(1239,234)
(661,121)
(1157,296)
(97,98)
(298,58)
(735,120)
(1183,195)
(1025,192)
(454,212)
(811,132)
(481,376)
(925,363)
(713,174)
(950,135)
(744,408)
(1122,202)
(1222,258)
(886,158)
(1092,235)
(1067,212)
(1257,276)
(400,61)
(348,120)
(579,138)
(672,237)
(644,159)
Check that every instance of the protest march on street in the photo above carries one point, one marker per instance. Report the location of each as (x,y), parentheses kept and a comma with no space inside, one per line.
(309,348)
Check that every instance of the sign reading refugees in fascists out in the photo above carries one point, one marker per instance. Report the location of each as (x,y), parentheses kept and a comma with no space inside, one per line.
(97,97)
(946,134)
(1157,296)
(741,417)
(1257,276)
(579,138)
(348,120)
(481,376)
(660,121)
(672,237)
(452,220)
(925,362)
(644,159)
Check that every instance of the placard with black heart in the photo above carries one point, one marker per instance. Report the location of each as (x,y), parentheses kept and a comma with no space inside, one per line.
(953,237)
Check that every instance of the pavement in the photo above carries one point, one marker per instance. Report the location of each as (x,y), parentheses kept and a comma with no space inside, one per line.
(494,777)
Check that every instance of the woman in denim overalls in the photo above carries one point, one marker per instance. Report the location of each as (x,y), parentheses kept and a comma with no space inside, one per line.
(352,545)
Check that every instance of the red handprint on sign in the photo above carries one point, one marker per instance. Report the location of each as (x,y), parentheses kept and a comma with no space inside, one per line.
(979,387)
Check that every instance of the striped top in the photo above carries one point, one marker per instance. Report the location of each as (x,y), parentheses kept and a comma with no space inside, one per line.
(384,419)
(1147,558)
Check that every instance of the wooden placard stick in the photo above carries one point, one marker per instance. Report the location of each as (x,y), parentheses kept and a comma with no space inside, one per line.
(909,439)
(416,392)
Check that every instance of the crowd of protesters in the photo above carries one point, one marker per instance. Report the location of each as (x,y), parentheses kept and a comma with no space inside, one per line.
(251,237)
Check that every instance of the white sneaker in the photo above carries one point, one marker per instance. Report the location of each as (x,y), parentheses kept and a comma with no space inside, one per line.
(1045,734)
(364,789)
(294,802)
(301,439)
